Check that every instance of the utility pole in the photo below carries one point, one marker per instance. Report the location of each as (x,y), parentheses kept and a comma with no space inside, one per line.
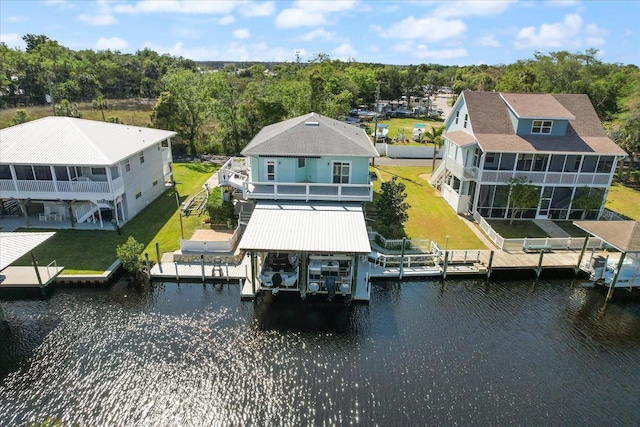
(53,104)
(375,130)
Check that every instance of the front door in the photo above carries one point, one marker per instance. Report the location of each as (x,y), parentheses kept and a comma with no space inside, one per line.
(271,170)
(545,203)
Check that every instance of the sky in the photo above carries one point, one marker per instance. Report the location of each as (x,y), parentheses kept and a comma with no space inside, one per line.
(388,32)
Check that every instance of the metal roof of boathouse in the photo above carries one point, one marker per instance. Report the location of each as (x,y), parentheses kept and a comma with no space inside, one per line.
(16,244)
(72,141)
(311,135)
(300,227)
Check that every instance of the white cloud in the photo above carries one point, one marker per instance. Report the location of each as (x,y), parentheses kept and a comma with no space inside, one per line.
(226,20)
(291,18)
(488,41)
(113,43)
(12,40)
(17,19)
(99,19)
(266,8)
(422,52)
(185,32)
(241,33)
(178,49)
(311,13)
(567,34)
(320,33)
(425,29)
(561,3)
(177,6)
(345,51)
(451,9)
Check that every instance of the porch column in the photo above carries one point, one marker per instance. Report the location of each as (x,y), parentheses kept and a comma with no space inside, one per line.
(25,212)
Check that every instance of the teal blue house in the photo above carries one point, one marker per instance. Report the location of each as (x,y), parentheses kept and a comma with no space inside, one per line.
(301,186)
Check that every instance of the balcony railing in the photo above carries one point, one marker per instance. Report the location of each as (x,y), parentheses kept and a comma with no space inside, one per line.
(539,178)
(31,188)
(235,173)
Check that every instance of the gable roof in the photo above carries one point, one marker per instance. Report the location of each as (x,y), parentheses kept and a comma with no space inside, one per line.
(71,141)
(536,106)
(494,131)
(311,135)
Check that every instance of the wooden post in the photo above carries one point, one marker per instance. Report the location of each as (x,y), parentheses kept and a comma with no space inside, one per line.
(253,272)
(444,265)
(181,227)
(615,277)
(147,263)
(3,319)
(584,248)
(35,265)
(202,266)
(175,264)
(404,239)
(490,264)
(539,269)
(158,256)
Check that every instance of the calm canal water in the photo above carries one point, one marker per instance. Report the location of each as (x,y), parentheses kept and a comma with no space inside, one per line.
(459,352)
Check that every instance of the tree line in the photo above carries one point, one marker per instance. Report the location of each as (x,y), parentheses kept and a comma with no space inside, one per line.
(219,111)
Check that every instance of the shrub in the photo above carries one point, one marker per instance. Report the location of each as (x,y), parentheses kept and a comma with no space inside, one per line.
(220,212)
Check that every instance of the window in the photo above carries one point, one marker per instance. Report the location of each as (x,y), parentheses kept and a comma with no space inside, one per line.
(61,173)
(457,116)
(155,181)
(24,172)
(127,166)
(341,172)
(142,157)
(605,164)
(98,171)
(524,162)
(541,126)
(5,172)
(43,173)
(466,119)
(138,193)
(302,162)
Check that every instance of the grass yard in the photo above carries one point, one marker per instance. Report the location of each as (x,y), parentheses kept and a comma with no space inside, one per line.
(518,230)
(93,251)
(396,125)
(130,112)
(429,216)
(624,200)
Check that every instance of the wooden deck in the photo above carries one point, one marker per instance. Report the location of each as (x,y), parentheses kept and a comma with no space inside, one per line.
(25,277)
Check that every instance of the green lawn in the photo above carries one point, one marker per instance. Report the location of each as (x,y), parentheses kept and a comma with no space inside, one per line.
(84,251)
(624,200)
(430,217)
(406,125)
(518,230)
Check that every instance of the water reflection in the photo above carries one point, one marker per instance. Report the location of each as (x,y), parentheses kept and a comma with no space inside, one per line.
(420,353)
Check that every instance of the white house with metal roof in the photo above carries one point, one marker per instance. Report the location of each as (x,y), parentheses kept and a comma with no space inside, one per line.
(307,177)
(554,141)
(70,170)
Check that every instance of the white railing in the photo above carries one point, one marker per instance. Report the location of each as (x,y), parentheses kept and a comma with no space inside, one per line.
(204,246)
(575,243)
(30,186)
(569,178)
(308,191)
(424,245)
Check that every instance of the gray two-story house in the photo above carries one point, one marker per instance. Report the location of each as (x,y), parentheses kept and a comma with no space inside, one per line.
(555,141)
(307,178)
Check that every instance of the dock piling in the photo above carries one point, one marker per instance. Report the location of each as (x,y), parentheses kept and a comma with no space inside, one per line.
(158,256)
(175,264)
(147,264)
(202,266)
(539,268)
(444,265)
(490,264)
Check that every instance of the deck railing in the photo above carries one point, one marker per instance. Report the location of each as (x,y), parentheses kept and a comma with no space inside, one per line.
(32,186)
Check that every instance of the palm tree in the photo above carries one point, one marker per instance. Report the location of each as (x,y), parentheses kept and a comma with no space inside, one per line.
(434,136)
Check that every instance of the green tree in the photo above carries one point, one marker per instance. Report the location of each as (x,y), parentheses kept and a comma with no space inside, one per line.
(20,116)
(434,136)
(523,195)
(391,208)
(68,109)
(100,104)
(129,255)
(587,199)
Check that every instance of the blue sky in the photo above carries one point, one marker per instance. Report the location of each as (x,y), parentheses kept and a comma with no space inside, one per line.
(389,32)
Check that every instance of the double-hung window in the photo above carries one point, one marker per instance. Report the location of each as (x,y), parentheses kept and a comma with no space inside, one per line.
(541,127)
